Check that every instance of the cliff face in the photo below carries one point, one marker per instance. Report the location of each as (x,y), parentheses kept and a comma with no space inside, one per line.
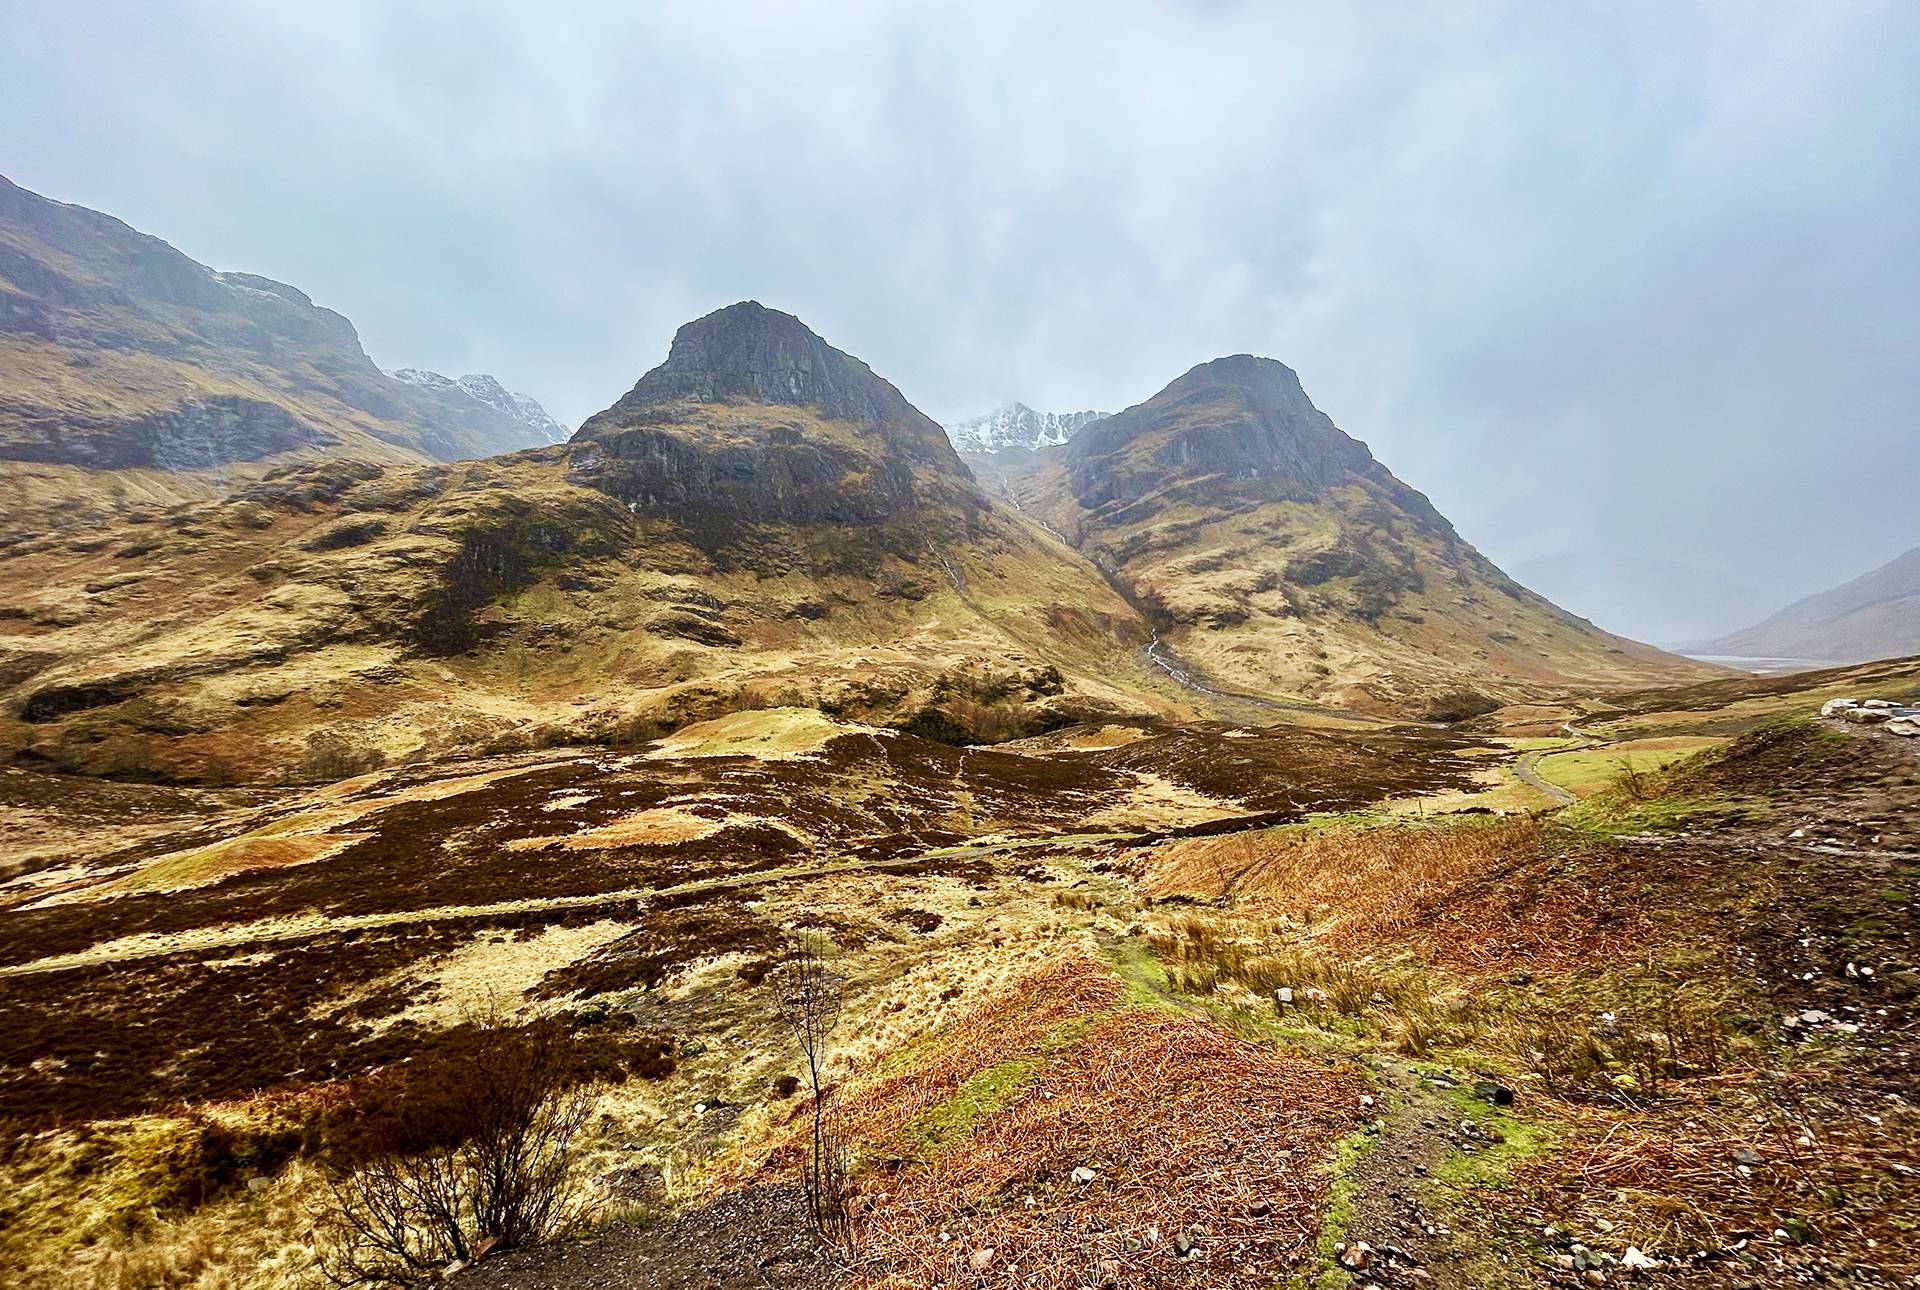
(754,418)
(119,353)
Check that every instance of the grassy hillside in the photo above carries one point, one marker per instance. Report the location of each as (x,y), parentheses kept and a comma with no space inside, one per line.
(1279,557)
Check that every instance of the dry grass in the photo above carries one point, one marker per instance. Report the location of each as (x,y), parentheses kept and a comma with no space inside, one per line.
(1195,1137)
(1361,882)
(1010,1024)
(1672,1183)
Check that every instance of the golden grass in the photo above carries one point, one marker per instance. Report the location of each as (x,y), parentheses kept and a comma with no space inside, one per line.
(1369,881)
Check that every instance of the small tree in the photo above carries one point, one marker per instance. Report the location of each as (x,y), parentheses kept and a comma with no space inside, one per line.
(481,1163)
(807,998)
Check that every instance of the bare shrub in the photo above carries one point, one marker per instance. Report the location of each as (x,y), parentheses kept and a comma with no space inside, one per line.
(1633,782)
(807,999)
(331,755)
(484,1164)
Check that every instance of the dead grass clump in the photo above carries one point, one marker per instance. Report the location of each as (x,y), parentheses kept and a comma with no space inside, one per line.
(1705,1176)
(1202,1149)
(1369,882)
(1656,1032)
(1008,1025)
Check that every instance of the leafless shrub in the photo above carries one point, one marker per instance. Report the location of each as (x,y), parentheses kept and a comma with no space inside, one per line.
(484,1165)
(807,998)
(331,755)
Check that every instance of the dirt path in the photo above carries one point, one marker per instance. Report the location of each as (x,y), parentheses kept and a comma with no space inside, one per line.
(1527,768)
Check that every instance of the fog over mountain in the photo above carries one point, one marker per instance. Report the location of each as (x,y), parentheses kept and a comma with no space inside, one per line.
(1651,270)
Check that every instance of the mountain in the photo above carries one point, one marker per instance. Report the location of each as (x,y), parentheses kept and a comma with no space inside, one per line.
(1278,556)
(489,393)
(1875,616)
(1016,426)
(760,521)
(131,374)
(1666,601)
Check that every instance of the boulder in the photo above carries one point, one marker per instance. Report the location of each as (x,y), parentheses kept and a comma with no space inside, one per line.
(1906,727)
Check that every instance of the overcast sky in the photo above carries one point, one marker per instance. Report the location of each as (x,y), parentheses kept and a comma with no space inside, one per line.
(1636,281)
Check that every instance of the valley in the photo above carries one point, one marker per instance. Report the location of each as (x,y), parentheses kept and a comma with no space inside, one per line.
(768,839)
(1057,953)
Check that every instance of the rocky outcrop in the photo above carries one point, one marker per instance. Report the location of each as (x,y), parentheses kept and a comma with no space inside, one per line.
(755,419)
(197,434)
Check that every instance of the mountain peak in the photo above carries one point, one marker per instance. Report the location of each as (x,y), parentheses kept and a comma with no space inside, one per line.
(1015,425)
(747,352)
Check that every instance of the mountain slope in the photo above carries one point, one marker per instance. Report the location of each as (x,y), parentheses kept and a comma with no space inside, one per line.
(1015,426)
(761,520)
(1876,615)
(120,354)
(1280,557)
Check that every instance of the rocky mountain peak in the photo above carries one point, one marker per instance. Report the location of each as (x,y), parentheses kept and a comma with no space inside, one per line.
(1239,426)
(1015,425)
(750,353)
(488,392)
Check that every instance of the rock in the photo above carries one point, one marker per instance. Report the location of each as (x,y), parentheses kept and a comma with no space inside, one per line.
(1182,1244)
(1259,1209)
(1283,996)
(981,1258)
(1815,1017)
(1084,1175)
(1637,1259)
(1746,1156)
(1905,727)
(1356,1256)
(1594,1277)
(1493,1093)
(258,1185)
(1834,707)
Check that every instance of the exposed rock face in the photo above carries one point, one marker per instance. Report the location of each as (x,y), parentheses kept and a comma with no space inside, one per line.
(753,418)
(117,351)
(1875,616)
(1236,427)
(1016,426)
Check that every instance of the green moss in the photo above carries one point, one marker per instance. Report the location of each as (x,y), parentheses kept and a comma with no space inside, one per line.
(987,1091)
(1343,1192)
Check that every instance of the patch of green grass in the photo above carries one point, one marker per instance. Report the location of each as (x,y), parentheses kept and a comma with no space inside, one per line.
(1586,772)
(1611,813)
(1343,1192)
(987,1091)
(1491,1165)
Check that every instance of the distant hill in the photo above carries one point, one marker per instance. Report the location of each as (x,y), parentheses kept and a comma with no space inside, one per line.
(1278,556)
(132,375)
(1875,616)
(1015,426)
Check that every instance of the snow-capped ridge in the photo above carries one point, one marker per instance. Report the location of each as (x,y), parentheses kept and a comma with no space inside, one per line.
(1016,426)
(484,389)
